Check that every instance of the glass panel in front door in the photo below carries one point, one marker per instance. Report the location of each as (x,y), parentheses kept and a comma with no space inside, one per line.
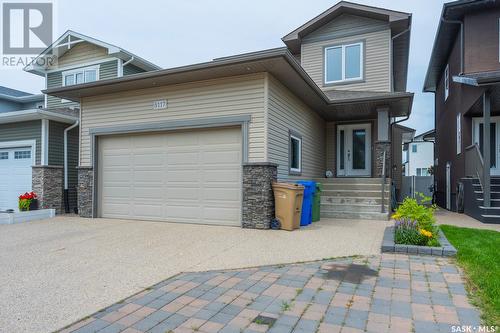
(493,140)
(342,150)
(358,149)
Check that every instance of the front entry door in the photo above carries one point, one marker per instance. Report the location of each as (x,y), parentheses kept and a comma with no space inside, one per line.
(354,150)
(478,135)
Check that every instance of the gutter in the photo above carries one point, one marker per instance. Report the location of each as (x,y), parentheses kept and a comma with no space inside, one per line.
(66,199)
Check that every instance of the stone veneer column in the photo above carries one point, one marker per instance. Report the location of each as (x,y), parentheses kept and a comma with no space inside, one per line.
(47,183)
(258,198)
(379,148)
(85,193)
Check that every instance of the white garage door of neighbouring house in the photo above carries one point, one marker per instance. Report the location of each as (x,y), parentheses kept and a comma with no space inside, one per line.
(15,175)
(183,176)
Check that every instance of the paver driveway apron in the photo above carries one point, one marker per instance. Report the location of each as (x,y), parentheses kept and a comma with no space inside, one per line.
(58,271)
(385,293)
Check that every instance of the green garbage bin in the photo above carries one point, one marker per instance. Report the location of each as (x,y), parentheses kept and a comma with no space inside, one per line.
(316,203)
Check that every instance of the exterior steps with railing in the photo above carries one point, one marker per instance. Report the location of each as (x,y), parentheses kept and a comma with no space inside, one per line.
(354,198)
(488,214)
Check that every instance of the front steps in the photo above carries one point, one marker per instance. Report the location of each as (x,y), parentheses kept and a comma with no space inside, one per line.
(354,198)
(488,214)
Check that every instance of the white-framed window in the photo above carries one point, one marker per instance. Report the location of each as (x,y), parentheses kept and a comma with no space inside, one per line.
(459,133)
(80,75)
(446,82)
(344,63)
(4,155)
(295,153)
(22,154)
(422,172)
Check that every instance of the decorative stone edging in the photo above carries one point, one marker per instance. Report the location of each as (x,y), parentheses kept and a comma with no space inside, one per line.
(445,250)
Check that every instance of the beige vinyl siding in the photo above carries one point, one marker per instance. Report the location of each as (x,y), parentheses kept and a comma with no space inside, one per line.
(240,95)
(21,131)
(287,112)
(80,54)
(377,55)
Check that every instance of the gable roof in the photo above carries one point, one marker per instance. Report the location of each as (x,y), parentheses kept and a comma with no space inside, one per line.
(395,18)
(399,23)
(446,35)
(63,44)
(19,96)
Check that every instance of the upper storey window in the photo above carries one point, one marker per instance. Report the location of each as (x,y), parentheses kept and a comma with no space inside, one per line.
(344,63)
(81,75)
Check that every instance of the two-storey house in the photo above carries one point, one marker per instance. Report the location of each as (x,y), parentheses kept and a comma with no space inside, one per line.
(203,143)
(39,135)
(463,74)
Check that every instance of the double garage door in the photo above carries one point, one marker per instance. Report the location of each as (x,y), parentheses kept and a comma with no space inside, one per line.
(183,176)
(15,175)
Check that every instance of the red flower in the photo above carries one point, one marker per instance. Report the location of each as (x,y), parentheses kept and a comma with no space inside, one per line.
(28,196)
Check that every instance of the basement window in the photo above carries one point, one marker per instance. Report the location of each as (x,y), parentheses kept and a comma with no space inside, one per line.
(295,153)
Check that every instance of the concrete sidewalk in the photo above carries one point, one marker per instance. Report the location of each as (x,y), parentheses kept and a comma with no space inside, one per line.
(57,271)
(444,216)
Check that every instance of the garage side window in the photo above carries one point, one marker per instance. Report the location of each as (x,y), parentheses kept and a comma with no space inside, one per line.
(295,153)
(22,154)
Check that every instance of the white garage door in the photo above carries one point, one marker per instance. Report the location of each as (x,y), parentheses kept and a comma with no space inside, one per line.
(15,175)
(189,176)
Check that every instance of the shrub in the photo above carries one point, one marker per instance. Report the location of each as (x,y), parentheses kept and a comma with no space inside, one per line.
(415,223)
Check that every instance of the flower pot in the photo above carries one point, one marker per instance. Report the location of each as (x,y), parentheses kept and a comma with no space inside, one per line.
(34,204)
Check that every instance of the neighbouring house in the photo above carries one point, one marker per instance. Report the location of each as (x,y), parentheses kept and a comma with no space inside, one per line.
(202,143)
(419,156)
(464,75)
(39,134)
(17,145)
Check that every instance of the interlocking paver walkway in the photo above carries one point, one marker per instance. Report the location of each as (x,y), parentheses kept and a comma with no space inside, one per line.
(386,293)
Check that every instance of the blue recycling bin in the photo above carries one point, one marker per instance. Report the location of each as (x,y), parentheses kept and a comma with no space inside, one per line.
(309,189)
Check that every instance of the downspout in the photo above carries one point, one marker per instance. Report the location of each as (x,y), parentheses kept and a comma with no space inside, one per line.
(392,55)
(461,40)
(66,199)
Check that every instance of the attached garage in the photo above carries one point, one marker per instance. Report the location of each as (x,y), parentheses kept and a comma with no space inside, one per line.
(189,176)
(15,175)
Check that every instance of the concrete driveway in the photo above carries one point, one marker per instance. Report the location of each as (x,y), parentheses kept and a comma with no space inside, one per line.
(57,271)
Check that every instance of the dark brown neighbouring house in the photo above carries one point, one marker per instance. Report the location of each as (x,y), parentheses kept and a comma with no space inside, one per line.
(464,75)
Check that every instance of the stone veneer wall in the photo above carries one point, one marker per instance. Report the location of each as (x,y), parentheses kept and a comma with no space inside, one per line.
(85,193)
(380,147)
(258,198)
(47,183)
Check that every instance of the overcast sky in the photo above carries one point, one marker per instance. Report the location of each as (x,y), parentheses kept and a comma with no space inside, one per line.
(173,33)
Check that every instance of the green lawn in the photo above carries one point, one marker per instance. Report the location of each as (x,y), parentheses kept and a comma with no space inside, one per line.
(479,256)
